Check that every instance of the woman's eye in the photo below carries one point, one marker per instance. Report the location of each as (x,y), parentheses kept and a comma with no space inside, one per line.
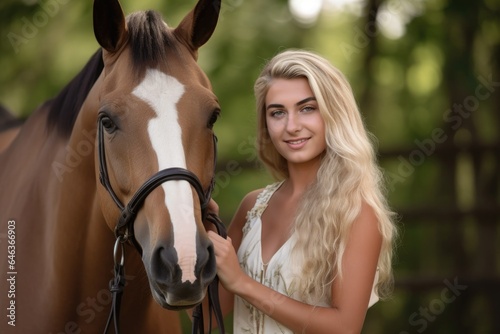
(277,113)
(308,109)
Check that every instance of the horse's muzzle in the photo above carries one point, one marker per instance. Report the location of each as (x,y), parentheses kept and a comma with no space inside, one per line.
(171,285)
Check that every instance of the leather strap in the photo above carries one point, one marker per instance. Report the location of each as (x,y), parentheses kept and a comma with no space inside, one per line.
(116,286)
(213,293)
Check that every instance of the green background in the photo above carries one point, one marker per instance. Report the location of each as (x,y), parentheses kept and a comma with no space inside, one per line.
(426,75)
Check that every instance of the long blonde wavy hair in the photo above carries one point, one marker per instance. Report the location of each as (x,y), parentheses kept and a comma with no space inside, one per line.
(348,175)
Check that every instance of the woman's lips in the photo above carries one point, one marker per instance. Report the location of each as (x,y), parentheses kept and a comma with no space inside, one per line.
(297,143)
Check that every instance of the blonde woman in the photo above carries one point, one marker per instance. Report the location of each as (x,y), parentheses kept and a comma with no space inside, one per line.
(311,252)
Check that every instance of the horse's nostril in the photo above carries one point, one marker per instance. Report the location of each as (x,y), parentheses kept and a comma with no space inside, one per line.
(164,262)
(167,268)
(209,270)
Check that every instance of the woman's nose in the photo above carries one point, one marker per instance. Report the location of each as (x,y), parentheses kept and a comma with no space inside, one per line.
(293,124)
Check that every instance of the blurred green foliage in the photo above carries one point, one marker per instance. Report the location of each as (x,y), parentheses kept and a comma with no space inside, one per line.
(408,86)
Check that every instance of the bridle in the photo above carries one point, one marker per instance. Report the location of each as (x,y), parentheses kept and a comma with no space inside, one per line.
(124,230)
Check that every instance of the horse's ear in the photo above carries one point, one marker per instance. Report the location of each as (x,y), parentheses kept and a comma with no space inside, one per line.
(197,27)
(109,24)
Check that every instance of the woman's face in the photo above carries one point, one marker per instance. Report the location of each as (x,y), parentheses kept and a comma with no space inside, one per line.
(294,122)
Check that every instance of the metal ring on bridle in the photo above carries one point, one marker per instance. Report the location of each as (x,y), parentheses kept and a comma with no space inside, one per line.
(119,244)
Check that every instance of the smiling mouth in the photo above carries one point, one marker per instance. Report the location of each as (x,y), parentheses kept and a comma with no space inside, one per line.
(297,141)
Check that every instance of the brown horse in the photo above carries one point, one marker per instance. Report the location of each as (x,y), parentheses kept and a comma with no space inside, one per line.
(144,102)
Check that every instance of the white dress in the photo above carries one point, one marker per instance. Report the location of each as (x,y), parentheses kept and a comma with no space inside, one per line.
(277,274)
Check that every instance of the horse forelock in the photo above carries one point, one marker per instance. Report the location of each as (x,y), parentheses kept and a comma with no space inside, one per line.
(149,40)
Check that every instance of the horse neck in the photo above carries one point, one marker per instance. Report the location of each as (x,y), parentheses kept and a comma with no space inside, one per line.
(54,215)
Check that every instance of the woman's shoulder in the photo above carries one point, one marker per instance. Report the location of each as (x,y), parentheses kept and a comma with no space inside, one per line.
(259,196)
(250,198)
(258,199)
(246,204)
(236,228)
(252,204)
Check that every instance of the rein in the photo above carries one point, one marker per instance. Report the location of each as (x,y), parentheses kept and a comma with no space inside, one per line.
(125,227)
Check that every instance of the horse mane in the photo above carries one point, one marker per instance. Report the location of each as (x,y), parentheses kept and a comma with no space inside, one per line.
(8,120)
(149,39)
(64,108)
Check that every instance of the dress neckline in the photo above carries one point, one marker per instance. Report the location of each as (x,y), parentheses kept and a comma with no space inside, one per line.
(264,200)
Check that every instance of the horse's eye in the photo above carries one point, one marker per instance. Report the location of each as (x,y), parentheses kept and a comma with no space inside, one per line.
(213,118)
(108,124)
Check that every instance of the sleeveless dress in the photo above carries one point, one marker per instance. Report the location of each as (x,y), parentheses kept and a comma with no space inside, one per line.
(277,274)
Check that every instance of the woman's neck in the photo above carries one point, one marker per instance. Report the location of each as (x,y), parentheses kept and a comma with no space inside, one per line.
(300,178)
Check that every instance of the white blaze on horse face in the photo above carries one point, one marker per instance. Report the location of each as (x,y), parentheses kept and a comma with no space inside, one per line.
(162,92)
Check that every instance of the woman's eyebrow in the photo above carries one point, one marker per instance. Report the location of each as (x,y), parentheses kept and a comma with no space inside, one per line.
(312,98)
(277,105)
(274,105)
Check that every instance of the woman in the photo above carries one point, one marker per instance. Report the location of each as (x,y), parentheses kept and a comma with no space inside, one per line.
(311,252)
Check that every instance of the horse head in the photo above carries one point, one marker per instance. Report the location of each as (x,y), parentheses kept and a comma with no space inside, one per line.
(155,111)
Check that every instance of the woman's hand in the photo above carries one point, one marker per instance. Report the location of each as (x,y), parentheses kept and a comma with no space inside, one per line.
(213,207)
(228,266)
